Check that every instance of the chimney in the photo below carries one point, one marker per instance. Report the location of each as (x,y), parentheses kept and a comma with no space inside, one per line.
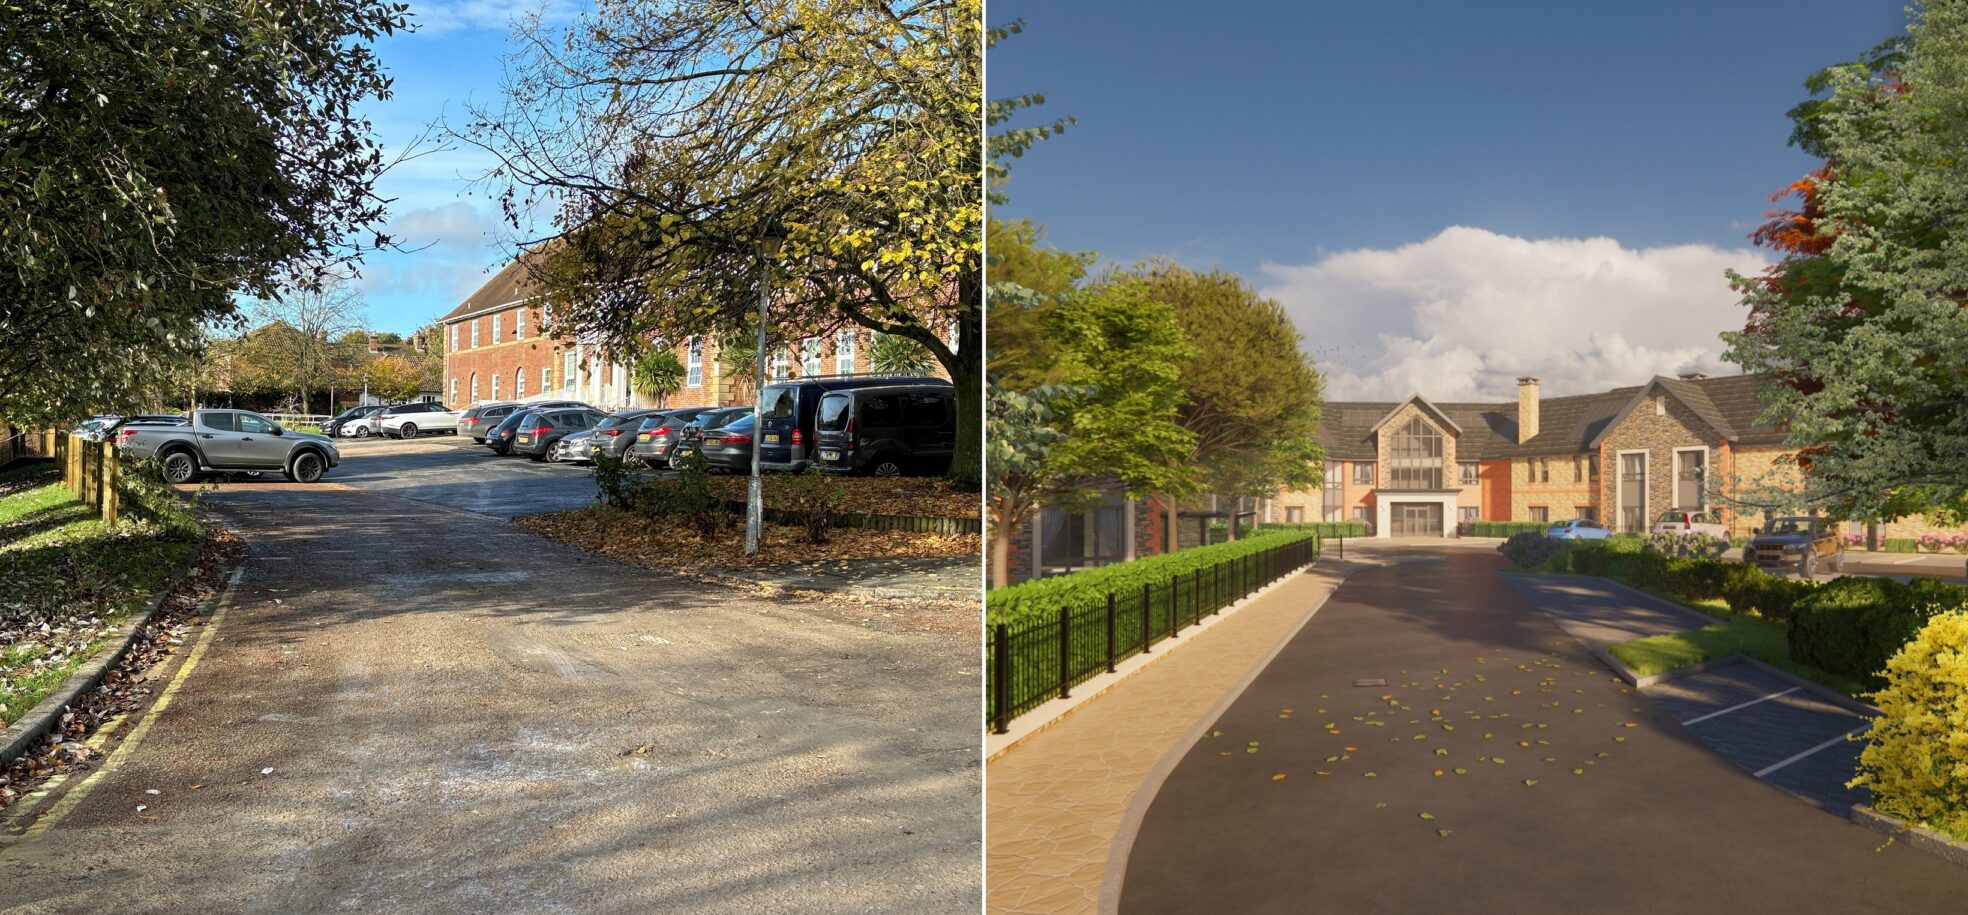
(1692,376)
(1527,409)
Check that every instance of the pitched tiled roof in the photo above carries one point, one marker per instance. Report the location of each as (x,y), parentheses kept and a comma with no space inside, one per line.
(1566,425)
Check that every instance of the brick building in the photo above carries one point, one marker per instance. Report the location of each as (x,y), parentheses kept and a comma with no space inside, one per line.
(494,350)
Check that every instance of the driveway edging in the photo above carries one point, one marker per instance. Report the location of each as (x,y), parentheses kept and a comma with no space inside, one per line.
(1934,843)
(19,737)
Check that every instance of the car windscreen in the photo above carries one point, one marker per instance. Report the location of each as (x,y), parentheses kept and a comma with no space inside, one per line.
(1789,526)
(833,412)
(777,402)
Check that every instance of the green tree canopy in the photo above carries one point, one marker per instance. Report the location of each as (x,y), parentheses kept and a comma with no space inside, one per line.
(1864,318)
(158,158)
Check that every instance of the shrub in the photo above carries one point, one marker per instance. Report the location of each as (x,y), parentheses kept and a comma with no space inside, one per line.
(1325,529)
(615,483)
(1040,598)
(1931,542)
(1898,545)
(1697,579)
(1530,549)
(814,498)
(143,494)
(1855,625)
(1686,546)
(1915,761)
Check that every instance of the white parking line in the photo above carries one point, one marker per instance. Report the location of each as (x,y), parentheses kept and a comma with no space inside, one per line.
(1766,770)
(1739,707)
(1907,561)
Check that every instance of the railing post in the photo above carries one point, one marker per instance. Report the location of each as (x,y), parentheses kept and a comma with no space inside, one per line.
(1175,604)
(1110,632)
(1065,653)
(1147,613)
(1196,602)
(1001,689)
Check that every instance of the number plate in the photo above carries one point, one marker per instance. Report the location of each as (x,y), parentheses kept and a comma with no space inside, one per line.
(523,439)
(772,439)
(829,454)
(643,437)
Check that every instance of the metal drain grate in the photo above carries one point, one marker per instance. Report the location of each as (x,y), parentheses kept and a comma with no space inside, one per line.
(1371,681)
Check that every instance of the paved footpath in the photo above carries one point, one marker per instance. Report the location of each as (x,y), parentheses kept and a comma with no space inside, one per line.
(1057,800)
(408,709)
(1559,788)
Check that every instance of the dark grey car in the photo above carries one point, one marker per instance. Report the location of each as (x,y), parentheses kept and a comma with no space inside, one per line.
(656,439)
(1798,542)
(616,434)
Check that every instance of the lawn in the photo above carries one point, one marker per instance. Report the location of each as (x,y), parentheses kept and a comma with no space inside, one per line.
(1745,635)
(66,582)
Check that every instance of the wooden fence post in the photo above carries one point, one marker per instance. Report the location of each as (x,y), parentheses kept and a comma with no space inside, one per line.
(109,495)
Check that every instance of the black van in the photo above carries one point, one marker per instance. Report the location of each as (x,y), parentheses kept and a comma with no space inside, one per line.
(887,430)
(786,412)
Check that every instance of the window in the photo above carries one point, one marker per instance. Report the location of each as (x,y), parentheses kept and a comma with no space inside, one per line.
(1363,473)
(519,324)
(878,411)
(1469,473)
(844,352)
(1360,514)
(779,364)
(1415,456)
(1587,512)
(927,409)
(454,338)
(546,378)
(474,385)
(474,332)
(495,386)
(454,389)
(1538,470)
(567,370)
(1294,514)
(1540,513)
(1082,540)
(810,356)
(495,328)
(249,424)
(694,363)
(1468,513)
(519,382)
(1334,496)
(1592,468)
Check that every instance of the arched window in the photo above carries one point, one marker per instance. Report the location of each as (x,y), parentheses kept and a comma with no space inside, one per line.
(519,382)
(474,386)
(1415,457)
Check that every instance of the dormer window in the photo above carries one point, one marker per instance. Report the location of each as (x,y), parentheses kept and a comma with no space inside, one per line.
(1415,457)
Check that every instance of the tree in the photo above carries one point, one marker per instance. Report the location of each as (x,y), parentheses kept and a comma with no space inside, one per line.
(899,355)
(1863,317)
(1022,355)
(1108,420)
(1251,395)
(157,159)
(672,139)
(658,372)
(393,378)
(318,315)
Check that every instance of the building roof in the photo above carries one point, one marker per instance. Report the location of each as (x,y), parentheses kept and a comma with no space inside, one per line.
(1566,425)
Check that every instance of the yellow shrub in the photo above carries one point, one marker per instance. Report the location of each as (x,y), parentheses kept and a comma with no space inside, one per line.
(1917,762)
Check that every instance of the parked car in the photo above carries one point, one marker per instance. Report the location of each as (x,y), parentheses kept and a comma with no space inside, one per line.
(333,426)
(1577,529)
(573,449)
(223,440)
(887,430)
(1678,521)
(361,425)
(479,418)
(93,424)
(536,435)
(1797,542)
(408,420)
(656,438)
(616,433)
(500,437)
(695,430)
(728,448)
(787,411)
(109,428)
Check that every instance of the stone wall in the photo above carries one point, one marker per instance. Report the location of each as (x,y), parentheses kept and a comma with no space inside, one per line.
(1568,488)
(1658,425)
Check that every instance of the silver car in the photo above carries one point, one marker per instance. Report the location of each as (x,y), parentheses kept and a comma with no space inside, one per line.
(574,449)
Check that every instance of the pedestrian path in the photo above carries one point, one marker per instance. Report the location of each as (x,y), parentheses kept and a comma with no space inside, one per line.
(1057,800)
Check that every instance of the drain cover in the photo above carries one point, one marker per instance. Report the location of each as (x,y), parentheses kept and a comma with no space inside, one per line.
(1371,681)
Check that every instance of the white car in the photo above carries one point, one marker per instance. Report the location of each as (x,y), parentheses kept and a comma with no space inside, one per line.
(1687,522)
(409,420)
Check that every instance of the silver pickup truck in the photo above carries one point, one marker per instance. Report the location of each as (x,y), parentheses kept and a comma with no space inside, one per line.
(229,440)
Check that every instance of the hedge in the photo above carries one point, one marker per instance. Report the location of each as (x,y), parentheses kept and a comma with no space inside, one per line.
(1853,626)
(1042,598)
(1325,529)
(1506,528)
(1899,545)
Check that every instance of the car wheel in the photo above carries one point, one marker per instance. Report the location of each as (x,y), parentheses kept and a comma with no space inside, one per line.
(362,432)
(179,467)
(307,468)
(407,430)
(886,467)
(554,454)
(1810,565)
(1838,561)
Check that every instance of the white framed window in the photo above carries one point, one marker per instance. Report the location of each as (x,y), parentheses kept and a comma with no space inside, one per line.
(519,382)
(495,328)
(1470,473)
(844,352)
(1468,513)
(519,324)
(474,333)
(693,365)
(474,386)
(454,338)
(810,356)
(454,389)
(779,364)
(567,370)
(1294,514)
(495,386)
(953,336)
(546,378)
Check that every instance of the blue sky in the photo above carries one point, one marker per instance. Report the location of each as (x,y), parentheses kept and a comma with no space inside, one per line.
(452,230)
(1428,187)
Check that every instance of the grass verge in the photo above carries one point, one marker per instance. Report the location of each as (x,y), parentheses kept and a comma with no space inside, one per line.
(1745,635)
(66,582)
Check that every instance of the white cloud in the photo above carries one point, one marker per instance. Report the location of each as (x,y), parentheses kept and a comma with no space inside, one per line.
(1462,315)
(442,17)
(447,252)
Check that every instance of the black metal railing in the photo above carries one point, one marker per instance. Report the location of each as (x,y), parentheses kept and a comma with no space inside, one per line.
(1027,664)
